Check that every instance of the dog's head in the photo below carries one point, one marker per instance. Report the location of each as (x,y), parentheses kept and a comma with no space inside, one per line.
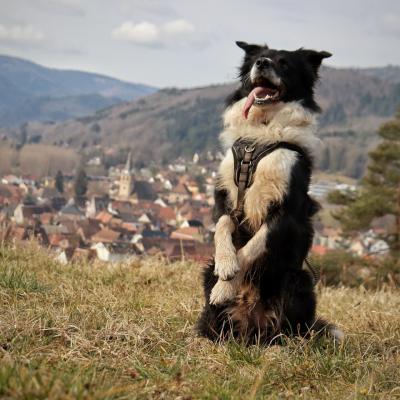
(271,76)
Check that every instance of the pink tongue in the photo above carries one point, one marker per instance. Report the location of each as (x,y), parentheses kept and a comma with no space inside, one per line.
(258,91)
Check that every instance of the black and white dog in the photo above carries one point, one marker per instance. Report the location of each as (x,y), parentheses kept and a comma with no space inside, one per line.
(256,288)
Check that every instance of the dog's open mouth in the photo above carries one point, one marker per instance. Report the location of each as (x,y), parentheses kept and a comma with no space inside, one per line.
(265,93)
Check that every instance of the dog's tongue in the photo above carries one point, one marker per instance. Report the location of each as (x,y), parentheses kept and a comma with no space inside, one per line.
(258,91)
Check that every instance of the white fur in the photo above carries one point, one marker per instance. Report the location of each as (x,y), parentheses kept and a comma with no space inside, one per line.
(226,264)
(289,122)
(224,290)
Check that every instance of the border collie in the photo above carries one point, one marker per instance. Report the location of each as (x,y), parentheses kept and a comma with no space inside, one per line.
(256,288)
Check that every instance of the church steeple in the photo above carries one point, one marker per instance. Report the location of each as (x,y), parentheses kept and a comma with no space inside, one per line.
(128,163)
(125,181)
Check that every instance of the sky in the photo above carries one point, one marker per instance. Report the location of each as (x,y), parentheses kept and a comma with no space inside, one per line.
(188,43)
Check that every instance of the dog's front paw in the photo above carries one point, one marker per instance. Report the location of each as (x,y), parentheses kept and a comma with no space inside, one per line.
(226,265)
(222,292)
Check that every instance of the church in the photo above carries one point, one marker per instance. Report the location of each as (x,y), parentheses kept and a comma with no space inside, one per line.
(130,189)
(126,180)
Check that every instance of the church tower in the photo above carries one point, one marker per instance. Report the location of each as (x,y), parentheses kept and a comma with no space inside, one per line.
(125,181)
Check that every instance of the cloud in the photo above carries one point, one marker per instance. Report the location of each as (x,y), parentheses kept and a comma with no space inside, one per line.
(142,33)
(20,34)
(148,34)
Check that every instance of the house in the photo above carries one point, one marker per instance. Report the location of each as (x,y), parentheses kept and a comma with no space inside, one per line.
(106,235)
(104,217)
(24,214)
(87,228)
(144,219)
(10,194)
(63,256)
(179,194)
(167,215)
(95,205)
(357,247)
(112,254)
(380,247)
(72,211)
(190,233)
(47,193)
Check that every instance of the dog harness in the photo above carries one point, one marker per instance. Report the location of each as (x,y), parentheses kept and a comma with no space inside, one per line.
(246,156)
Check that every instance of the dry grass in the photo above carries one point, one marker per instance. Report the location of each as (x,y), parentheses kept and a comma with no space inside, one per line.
(126,332)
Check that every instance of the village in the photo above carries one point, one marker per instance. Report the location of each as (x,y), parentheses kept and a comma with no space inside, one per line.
(137,212)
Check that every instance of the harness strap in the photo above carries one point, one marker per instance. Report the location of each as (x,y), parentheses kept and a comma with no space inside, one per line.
(243,178)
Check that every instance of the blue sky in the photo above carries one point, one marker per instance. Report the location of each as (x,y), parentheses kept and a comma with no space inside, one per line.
(191,43)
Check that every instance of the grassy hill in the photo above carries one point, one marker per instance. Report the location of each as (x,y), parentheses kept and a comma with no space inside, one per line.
(126,332)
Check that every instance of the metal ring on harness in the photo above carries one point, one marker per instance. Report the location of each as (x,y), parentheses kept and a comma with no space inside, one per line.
(249,149)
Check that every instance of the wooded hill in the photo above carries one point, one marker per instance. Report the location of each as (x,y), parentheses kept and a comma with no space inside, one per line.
(175,122)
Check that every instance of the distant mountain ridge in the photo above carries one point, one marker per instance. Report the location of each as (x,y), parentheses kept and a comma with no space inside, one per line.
(27,90)
(175,122)
(389,73)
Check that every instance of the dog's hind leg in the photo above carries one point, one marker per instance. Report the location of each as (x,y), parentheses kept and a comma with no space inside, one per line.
(299,308)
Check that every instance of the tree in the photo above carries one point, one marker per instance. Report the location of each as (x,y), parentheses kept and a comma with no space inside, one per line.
(380,189)
(60,181)
(81,183)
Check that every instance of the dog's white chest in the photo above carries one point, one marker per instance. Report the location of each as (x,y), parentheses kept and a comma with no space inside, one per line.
(270,183)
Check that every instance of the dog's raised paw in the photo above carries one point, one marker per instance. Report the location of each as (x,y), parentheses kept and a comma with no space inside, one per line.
(222,292)
(226,266)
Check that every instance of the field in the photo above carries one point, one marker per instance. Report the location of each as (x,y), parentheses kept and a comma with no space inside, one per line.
(126,332)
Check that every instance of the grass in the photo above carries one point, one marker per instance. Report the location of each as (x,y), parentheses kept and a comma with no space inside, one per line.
(126,332)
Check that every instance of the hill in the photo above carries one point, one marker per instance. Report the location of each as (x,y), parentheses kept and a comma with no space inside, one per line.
(184,121)
(91,331)
(33,92)
(389,73)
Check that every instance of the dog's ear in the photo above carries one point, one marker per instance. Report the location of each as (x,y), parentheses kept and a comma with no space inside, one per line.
(315,57)
(249,48)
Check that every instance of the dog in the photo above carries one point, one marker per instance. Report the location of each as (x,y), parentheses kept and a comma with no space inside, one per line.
(256,288)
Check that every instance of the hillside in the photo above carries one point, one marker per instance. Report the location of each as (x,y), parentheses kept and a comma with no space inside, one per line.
(126,332)
(389,73)
(33,92)
(182,122)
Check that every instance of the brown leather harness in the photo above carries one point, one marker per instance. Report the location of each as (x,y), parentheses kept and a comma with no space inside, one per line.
(246,156)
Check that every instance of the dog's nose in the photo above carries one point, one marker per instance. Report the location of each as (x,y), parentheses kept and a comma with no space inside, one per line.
(263,62)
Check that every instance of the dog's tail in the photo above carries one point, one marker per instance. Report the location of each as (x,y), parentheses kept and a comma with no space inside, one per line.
(325,328)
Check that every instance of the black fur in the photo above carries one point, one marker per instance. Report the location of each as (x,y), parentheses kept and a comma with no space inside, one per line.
(298,70)
(277,277)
